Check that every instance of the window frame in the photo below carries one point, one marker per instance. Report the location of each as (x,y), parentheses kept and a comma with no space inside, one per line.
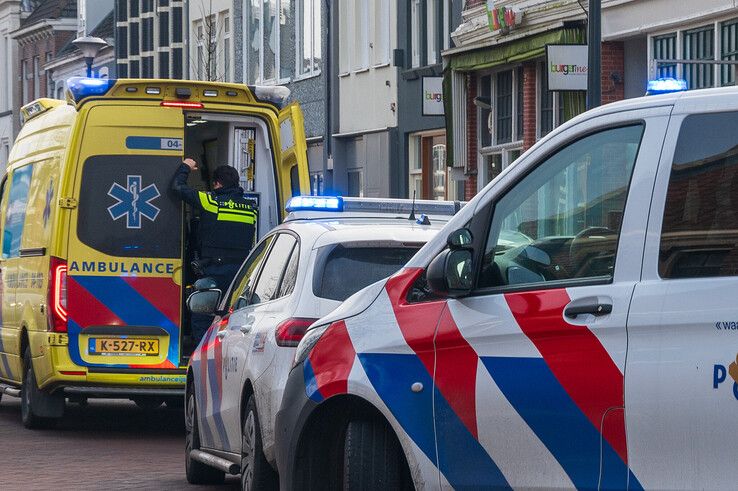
(679,32)
(278,284)
(508,149)
(299,74)
(481,223)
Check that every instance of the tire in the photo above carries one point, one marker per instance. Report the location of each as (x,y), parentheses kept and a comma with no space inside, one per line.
(197,472)
(256,473)
(372,457)
(34,400)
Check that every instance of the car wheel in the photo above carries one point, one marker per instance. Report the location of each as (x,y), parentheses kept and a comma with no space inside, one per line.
(197,472)
(33,399)
(372,457)
(256,473)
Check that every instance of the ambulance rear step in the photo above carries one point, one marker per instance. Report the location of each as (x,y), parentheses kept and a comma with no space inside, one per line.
(9,390)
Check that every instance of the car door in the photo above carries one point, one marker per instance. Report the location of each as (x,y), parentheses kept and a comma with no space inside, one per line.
(243,324)
(529,367)
(682,377)
(215,431)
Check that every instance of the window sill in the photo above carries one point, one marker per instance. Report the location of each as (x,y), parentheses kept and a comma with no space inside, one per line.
(306,76)
(344,75)
(361,70)
(381,65)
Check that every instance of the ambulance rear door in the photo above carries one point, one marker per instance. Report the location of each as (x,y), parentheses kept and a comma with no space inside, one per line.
(125,243)
(293,176)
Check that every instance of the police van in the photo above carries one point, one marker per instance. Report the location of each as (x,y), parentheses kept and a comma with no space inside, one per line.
(96,247)
(574,326)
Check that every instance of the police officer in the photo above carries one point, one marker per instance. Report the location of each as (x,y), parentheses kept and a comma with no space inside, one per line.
(226,232)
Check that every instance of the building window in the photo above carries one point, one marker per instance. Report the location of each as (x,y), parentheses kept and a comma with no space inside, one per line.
(714,47)
(728,51)
(200,41)
(36,77)
(360,35)
(381,45)
(163,64)
(212,48)
(664,48)
(430,26)
(227,49)
(133,39)
(308,39)
(500,107)
(699,44)
(261,29)
(163,29)
(24,81)
(504,107)
(416,11)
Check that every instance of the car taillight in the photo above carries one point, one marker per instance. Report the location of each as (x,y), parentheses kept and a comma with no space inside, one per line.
(290,332)
(57,302)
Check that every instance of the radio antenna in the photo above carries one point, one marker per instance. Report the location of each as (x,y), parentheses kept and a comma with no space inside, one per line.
(412,210)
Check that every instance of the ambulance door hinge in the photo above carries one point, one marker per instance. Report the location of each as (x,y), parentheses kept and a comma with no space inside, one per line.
(69,203)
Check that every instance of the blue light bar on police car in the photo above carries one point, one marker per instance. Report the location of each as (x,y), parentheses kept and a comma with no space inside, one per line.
(315,203)
(79,88)
(666,86)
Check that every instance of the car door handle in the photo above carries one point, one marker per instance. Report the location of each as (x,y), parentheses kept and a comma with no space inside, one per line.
(594,308)
(221,334)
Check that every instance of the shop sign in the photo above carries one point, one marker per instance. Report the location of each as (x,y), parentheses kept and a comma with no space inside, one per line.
(566,65)
(503,18)
(433,96)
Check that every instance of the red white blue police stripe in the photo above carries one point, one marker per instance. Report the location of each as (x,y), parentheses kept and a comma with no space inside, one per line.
(551,398)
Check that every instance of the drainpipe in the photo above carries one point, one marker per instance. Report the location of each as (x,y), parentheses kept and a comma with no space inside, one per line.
(328,75)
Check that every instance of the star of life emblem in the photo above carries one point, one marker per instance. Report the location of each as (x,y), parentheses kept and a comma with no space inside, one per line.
(134,202)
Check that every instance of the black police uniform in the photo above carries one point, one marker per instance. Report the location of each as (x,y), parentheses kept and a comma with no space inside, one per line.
(226,234)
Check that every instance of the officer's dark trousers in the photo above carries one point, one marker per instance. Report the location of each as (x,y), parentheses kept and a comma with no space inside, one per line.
(223,275)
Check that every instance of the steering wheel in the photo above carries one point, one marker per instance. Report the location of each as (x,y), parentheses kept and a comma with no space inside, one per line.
(581,245)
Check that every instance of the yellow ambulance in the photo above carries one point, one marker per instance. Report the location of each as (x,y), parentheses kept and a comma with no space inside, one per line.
(96,248)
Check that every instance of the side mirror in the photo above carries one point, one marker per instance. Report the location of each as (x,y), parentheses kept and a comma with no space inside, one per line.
(205,284)
(204,301)
(460,239)
(449,275)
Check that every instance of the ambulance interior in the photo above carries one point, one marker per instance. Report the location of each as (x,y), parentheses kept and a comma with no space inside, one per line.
(242,142)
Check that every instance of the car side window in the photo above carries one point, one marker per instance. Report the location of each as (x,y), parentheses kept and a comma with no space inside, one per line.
(562,221)
(246,277)
(267,287)
(699,235)
(290,273)
(15,216)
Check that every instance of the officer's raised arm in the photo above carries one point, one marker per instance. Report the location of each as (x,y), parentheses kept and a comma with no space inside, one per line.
(179,183)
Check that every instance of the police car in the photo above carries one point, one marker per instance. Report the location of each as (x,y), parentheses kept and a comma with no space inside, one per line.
(327,249)
(574,326)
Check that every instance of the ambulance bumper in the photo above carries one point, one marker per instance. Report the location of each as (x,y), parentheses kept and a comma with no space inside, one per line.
(122,392)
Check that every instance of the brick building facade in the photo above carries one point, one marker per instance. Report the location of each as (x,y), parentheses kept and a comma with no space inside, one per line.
(507,103)
(51,25)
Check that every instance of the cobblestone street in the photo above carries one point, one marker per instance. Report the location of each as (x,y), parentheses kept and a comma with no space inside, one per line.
(106,445)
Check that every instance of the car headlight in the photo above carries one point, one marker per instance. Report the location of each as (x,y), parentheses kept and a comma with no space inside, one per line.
(308,342)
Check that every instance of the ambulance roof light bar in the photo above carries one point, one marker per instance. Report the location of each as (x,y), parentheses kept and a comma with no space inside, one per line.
(666,85)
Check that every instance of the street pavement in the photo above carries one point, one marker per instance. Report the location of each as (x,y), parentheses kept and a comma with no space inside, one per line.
(107,445)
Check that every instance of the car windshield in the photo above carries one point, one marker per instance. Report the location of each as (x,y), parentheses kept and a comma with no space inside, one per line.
(342,271)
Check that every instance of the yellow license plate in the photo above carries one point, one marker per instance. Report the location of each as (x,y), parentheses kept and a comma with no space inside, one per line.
(124,347)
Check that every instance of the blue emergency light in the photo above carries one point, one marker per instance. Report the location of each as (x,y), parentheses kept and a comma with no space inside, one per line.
(81,87)
(666,85)
(315,203)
